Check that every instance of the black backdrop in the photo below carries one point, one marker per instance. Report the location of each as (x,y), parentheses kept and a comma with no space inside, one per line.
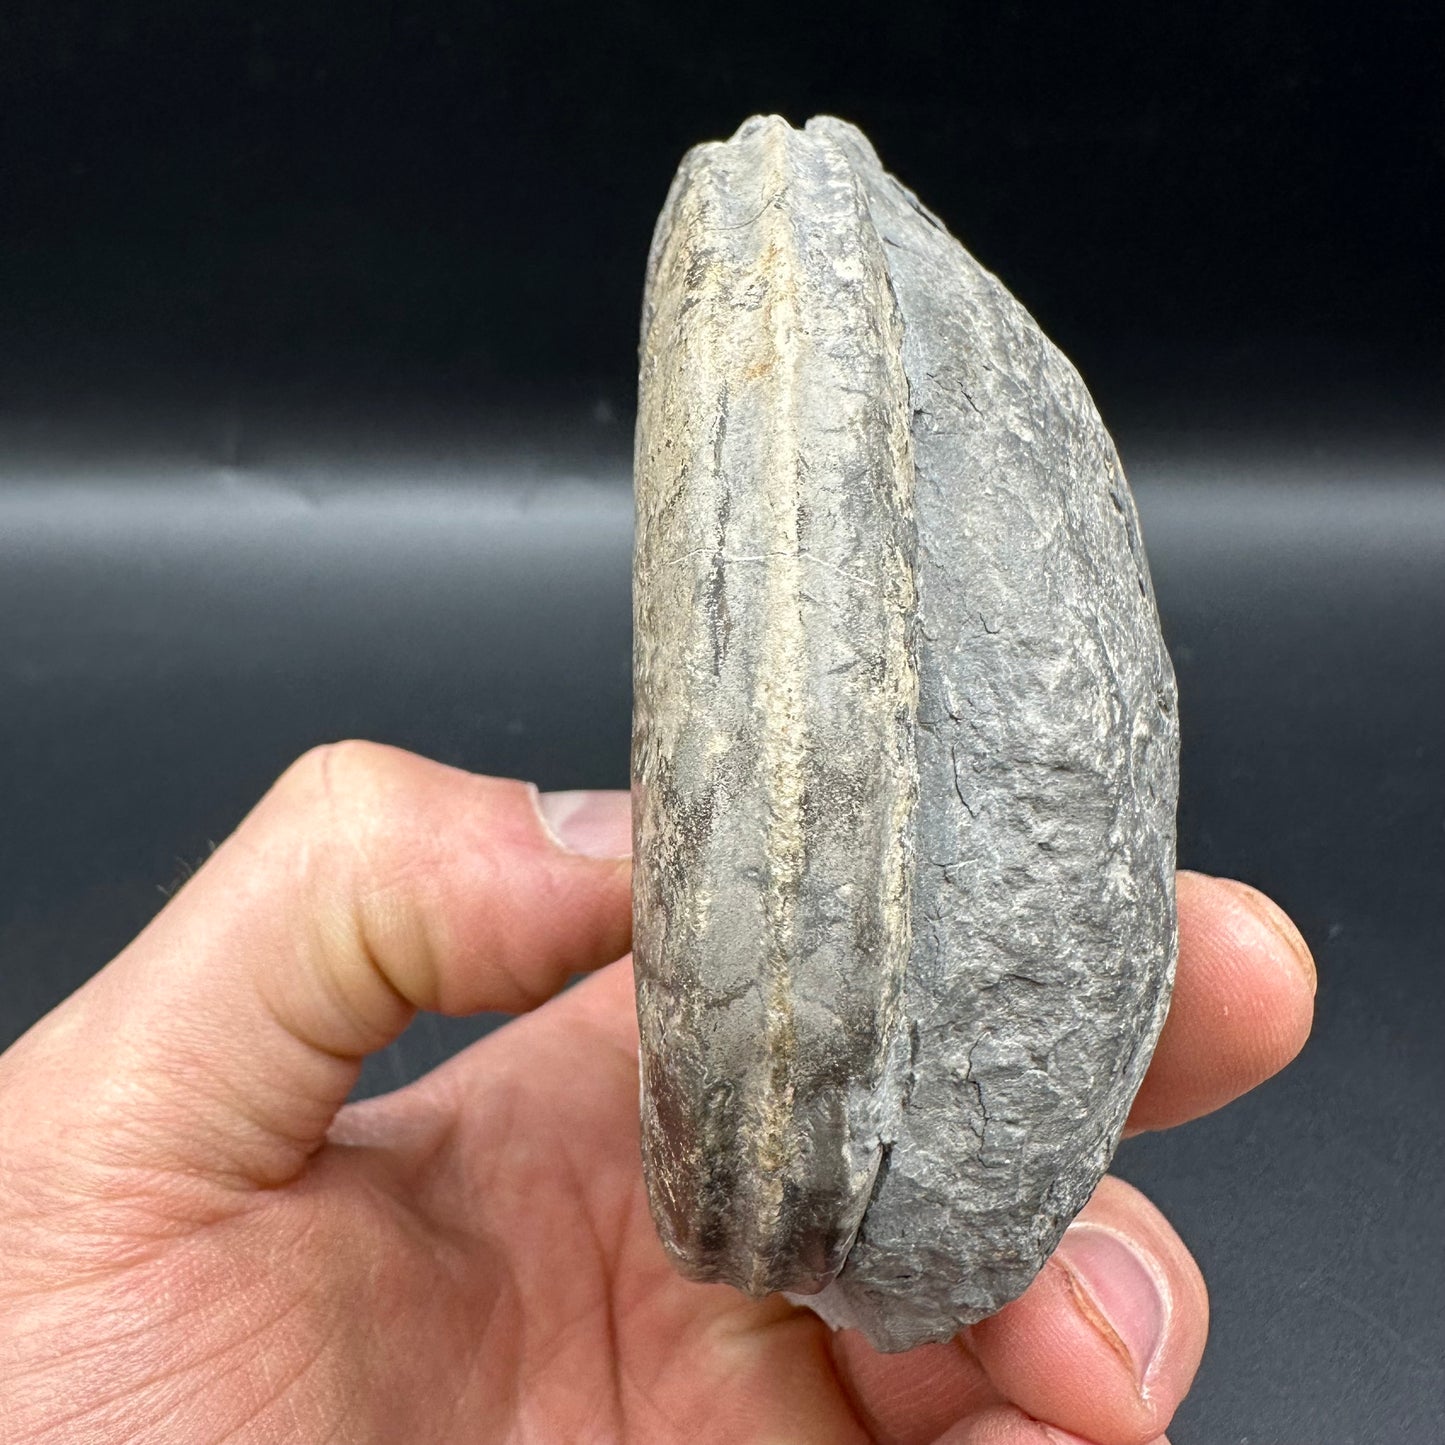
(316,349)
(457,194)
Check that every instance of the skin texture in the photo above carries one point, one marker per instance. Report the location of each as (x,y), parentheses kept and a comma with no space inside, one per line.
(198,1243)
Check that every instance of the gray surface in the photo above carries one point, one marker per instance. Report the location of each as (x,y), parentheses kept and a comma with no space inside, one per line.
(1041,745)
(1047,746)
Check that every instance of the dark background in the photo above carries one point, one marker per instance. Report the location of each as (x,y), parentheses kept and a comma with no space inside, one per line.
(316,358)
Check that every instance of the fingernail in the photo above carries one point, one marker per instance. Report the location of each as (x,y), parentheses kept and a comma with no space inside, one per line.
(1279,923)
(594,824)
(1120,1292)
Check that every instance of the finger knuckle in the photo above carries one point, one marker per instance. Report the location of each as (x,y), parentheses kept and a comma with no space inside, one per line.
(333,802)
(365,865)
(342,770)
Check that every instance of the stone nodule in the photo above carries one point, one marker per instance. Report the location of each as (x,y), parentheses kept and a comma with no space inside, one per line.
(905,752)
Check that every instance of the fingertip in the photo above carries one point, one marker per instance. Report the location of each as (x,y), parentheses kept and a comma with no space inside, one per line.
(1264,910)
(594,824)
(1106,1341)
(1242,1007)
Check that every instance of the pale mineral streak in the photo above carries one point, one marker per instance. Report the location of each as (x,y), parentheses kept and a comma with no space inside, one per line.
(905,752)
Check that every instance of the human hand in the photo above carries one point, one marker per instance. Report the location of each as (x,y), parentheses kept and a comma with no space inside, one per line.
(201,1242)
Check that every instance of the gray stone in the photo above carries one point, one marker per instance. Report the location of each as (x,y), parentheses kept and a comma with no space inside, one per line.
(905,752)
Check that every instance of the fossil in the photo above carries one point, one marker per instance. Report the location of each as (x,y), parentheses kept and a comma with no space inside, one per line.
(905,752)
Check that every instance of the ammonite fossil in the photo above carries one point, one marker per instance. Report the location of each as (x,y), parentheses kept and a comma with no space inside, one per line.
(905,752)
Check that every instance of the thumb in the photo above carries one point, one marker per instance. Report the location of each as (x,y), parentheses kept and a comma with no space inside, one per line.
(367,884)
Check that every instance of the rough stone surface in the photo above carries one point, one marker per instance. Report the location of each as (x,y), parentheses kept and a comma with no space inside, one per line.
(905,752)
